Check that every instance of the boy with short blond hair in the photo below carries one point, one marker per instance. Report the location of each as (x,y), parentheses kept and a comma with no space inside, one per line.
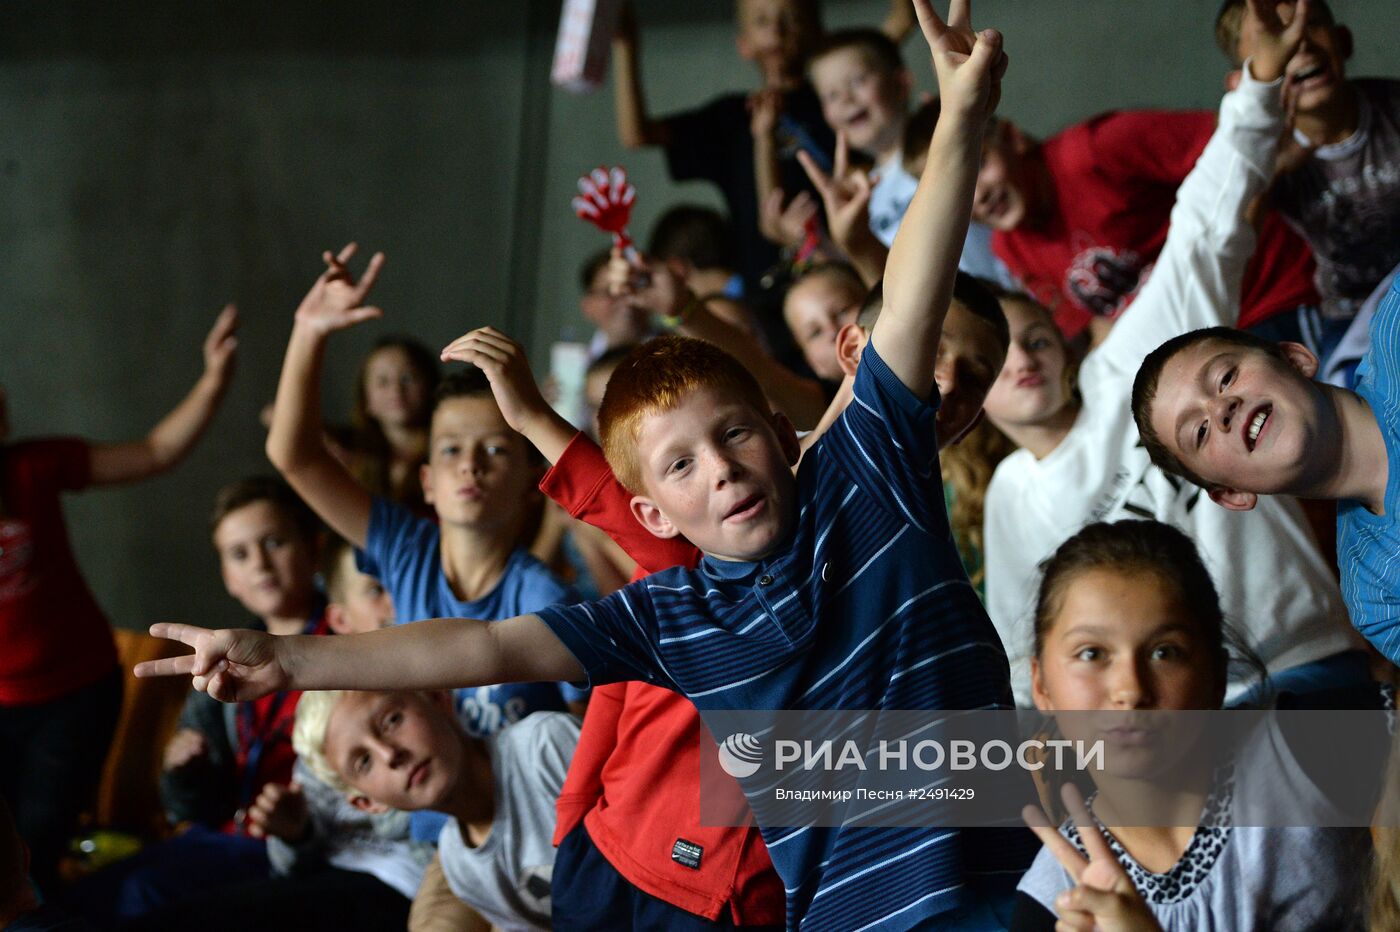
(757,623)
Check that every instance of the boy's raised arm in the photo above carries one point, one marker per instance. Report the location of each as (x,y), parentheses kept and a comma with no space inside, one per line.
(634,128)
(239,665)
(924,258)
(294,441)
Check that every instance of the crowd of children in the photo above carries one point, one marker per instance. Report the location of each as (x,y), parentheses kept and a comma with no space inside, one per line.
(483,643)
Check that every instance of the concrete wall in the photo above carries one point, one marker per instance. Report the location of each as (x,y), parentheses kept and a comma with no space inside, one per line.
(159,159)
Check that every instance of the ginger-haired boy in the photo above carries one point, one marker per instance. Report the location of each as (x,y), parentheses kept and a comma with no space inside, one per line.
(800,601)
(1344,196)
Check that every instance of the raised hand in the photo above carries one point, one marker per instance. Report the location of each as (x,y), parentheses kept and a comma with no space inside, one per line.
(506,367)
(786,225)
(845,195)
(220,345)
(1104,898)
(336,299)
(1277,40)
(969,65)
(185,747)
(230,665)
(279,811)
(648,285)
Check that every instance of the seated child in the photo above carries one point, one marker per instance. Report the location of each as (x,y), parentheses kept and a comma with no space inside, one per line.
(222,757)
(357,601)
(1127,620)
(60,688)
(1080,218)
(802,600)
(817,305)
(1082,461)
(407,751)
(1345,197)
(478,480)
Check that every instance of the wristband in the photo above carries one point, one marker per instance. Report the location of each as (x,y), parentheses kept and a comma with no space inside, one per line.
(673,321)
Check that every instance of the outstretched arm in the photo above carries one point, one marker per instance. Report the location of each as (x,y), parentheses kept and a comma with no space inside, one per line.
(295,442)
(171,439)
(634,127)
(446,653)
(924,258)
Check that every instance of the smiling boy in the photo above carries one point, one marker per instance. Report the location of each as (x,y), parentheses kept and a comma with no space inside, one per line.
(839,587)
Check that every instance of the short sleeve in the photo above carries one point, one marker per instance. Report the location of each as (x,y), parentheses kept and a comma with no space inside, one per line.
(63,463)
(613,639)
(389,525)
(1378,367)
(886,442)
(552,749)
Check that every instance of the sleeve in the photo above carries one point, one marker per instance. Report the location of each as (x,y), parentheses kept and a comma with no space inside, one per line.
(1196,280)
(886,442)
(1136,147)
(584,485)
(203,792)
(555,738)
(390,525)
(613,639)
(1030,916)
(583,786)
(1379,365)
(64,463)
(698,139)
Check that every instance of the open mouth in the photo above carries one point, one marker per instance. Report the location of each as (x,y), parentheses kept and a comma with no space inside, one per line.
(745,509)
(1307,75)
(418,774)
(1256,424)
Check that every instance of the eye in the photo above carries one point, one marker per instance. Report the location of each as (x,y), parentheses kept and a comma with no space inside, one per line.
(1035,344)
(274,541)
(1089,654)
(679,466)
(360,764)
(1201,434)
(736,434)
(1168,652)
(449,450)
(392,719)
(375,591)
(495,450)
(238,554)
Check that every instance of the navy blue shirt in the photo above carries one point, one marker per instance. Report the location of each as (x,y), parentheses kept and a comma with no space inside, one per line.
(867,606)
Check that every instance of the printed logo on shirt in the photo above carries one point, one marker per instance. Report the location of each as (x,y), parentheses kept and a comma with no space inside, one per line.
(16,556)
(740,755)
(1102,280)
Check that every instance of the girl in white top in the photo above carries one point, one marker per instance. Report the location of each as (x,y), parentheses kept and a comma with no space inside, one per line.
(1081,459)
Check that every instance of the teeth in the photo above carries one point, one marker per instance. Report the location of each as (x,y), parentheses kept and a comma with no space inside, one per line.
(1255,426)
(1310,73)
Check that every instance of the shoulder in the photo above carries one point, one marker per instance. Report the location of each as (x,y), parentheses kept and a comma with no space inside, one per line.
(535,581)
(1045,879)
(541,731)
(1383,92)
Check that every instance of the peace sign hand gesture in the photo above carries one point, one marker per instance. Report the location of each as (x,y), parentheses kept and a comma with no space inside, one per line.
(1104,898)
(969,65)
(336,299)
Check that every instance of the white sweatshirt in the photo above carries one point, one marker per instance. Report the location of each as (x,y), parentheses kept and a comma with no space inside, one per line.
(1274,585)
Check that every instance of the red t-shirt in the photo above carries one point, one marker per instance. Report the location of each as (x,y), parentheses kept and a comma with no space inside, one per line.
(635,775)
(1113,183)
(54,639)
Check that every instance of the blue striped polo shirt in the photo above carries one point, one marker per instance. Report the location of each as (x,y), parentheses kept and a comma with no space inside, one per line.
(866,606)
(1368,545)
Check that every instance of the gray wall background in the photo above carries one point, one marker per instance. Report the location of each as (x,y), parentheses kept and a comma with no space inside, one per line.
(159,159)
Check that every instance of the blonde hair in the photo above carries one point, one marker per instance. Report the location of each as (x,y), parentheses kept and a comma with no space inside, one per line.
(313,717)
(657,377)
(967,469)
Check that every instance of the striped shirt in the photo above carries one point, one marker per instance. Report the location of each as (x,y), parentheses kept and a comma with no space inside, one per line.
(1368,545)
(867,606)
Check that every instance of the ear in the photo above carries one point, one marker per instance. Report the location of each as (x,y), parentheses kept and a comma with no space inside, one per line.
(365,804)
(680,268)
(1345,45)
(787,437)
(850,343)
(649,516)
(977,419)
(741,42)
(1233,499)
(335,618)
(1038,694)
(425,476)
(1300,357)
(1232,79)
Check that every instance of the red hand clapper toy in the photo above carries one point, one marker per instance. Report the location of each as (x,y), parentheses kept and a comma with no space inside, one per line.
(605,200)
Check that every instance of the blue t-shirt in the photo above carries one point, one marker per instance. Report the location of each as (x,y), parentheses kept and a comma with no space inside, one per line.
(1368,545)
(865,607)
(404,551)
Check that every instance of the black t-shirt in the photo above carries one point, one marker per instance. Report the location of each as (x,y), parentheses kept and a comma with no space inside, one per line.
(713,142)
